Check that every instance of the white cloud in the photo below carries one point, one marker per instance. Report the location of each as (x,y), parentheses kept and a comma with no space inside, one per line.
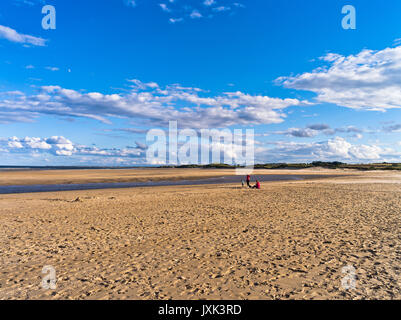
(209,2)
(221,9)
(61,146)
(36,143)
(52,68)
(195,14)
(369,80)
(204,8)
(13,36)
(55,145)
(175,20)
(336,149)
(12,93)
(14,143)
(130,3)
(191,107)
(164,7)
(139,85)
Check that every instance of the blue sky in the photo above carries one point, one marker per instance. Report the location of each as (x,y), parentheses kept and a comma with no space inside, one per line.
(87,92)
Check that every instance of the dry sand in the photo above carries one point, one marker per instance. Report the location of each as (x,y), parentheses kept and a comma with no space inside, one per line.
(289,240)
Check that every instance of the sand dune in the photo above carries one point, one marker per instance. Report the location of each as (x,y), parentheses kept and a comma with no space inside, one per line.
(289,240)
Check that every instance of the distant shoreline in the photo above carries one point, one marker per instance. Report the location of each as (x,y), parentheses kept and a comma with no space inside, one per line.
(270,166)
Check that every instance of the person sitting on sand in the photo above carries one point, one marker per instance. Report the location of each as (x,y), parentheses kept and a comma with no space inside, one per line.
(257,185)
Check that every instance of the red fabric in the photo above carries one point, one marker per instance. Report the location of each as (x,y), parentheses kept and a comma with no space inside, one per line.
(258,185)
(248,178)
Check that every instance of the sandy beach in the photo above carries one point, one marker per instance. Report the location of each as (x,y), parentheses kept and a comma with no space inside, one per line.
(289,240)
(23,177)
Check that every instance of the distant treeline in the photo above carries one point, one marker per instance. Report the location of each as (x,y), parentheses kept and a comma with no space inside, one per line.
(322,164)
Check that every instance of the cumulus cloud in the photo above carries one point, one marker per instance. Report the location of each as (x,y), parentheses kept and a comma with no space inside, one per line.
(55,145)
(14,143)
(60,146)
(336,149)
(155,106)
(36,143)
(13,36)
(369,80)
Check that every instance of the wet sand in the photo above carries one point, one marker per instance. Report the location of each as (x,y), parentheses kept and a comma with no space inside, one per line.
(30,177)
(222,180)
(289,240)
